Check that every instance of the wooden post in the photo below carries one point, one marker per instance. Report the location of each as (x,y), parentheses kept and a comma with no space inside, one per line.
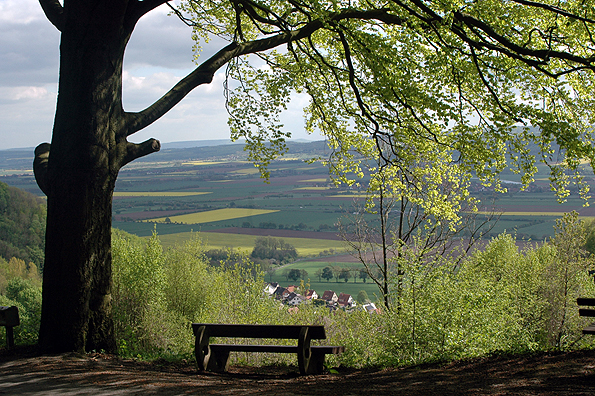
(304,351)
(202,351)
(9,337)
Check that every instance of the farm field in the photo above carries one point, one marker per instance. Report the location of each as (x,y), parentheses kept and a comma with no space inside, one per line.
(216,192)
(211,216)
(118,194)
(188,185)
(306,247)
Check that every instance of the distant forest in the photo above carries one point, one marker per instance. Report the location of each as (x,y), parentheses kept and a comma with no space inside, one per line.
(22,225)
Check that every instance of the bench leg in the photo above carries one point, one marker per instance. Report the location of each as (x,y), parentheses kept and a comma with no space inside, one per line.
(9,337)
(202,351)
(316,363)
(219,361)
(304,351)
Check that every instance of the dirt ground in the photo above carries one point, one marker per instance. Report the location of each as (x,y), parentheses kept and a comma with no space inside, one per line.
(567,373)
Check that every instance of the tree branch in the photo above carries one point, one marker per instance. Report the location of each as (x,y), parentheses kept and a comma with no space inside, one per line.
(204,73)
(132,151)
(543,55)
(554,9)
(40,167)
(54,12)
(136,9)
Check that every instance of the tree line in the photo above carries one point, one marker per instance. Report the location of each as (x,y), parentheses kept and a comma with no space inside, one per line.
(267,253)
(327,273)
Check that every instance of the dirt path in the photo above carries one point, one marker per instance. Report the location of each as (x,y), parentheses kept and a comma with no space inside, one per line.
(569,373)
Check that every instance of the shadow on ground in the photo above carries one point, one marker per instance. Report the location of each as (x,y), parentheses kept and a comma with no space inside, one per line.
(564,373)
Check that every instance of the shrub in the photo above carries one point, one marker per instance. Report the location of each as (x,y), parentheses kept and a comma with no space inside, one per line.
(27,298)
(499,299)
(138,293)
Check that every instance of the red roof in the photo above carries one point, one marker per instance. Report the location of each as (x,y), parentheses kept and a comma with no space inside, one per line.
(344,299)
(328,295)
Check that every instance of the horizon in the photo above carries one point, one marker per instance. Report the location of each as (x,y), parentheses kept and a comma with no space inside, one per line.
(180,142)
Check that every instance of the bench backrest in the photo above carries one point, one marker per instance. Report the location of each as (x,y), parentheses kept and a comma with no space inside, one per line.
(260,331)
(585,301)
(9,316)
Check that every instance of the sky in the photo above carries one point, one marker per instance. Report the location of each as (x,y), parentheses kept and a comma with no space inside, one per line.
(158,56)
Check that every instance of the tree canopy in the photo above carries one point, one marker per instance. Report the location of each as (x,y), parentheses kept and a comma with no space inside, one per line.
(418,92)
(272,248)
(427,92)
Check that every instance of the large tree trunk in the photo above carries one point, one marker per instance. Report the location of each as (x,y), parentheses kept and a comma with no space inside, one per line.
(82,167)
(89,145)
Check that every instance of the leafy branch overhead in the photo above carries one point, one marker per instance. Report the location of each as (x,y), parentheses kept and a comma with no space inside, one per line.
(467,85)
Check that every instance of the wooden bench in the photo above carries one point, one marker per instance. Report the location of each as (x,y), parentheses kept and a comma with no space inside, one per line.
(215,357)
(9,317)
(588,312)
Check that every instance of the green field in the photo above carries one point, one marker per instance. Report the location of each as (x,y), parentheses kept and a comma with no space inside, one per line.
(306,247)
(349,287)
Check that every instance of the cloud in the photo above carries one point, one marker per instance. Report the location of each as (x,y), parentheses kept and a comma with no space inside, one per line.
(158,56)
(200,115)
(20,11)
(160,40)
(29,46)
(20,93)
(26,115)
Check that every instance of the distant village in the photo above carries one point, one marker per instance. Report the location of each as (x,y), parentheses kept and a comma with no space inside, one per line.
(329,299)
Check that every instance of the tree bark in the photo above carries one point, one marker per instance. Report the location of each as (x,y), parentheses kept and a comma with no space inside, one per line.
(79,178)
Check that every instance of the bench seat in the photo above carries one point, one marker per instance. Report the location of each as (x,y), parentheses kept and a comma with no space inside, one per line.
(326,349)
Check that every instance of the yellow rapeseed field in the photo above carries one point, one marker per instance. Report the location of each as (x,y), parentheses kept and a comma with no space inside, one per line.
(212,215)
(158,193)
(314,181)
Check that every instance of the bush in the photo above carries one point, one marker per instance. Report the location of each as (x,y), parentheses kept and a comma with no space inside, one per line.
(501,299)
(27,298)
